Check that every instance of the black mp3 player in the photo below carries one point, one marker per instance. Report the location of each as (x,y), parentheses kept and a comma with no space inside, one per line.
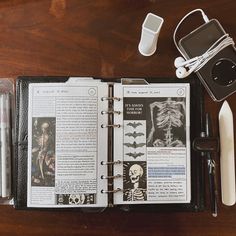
(219,74)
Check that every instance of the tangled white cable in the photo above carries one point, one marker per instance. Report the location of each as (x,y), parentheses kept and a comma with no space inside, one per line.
(196,63)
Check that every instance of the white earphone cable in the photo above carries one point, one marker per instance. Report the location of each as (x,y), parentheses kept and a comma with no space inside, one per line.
(215,49)
(177,27)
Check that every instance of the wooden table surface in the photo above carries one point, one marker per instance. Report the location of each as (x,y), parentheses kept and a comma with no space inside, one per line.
(100,38)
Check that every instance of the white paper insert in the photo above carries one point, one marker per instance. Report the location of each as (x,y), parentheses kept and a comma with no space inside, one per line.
(153,143)
(64,143)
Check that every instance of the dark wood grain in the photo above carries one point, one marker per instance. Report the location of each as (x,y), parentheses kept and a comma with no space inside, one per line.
(100,38)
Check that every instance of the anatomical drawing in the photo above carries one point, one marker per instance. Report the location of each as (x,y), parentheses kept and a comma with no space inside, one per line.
(135,181)
(43,152)
(167,123)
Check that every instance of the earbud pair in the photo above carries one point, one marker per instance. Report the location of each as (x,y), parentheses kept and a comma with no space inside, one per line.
(181,64)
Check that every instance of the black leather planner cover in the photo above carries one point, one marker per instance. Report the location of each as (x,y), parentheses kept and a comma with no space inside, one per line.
(21,145)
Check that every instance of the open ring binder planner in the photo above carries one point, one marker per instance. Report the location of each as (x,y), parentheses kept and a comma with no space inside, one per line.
(96,144)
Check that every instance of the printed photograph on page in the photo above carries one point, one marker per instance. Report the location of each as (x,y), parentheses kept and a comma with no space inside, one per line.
(166,122)
(43,151)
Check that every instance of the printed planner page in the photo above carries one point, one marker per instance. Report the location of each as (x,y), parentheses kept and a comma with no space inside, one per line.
(65,136)
(153,144)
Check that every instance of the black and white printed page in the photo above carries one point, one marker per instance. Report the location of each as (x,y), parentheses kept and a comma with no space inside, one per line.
(153,144)
(67,144)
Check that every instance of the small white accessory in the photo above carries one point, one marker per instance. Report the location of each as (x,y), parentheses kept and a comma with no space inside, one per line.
(151,28)
(227,167)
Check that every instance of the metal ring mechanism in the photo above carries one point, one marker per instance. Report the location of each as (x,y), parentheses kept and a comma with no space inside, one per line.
(111,191)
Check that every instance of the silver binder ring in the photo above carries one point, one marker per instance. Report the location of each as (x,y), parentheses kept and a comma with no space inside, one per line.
(110,112)
(111,126)
(111,191)
(110,98)
(111,162)
(111,176)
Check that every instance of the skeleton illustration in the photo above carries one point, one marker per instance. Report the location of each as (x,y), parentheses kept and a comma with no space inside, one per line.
(43,142)
(168,115)
(44,162)
(136,193)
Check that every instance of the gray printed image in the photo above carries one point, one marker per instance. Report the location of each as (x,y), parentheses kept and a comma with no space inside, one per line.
(134,140)
(43,151)
(166,122)
(75,199)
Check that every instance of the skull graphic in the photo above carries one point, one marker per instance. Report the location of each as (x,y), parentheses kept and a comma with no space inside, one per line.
(135,173)
(76,199)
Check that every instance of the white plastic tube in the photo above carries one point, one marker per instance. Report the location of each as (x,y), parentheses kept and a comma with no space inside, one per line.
(150,31)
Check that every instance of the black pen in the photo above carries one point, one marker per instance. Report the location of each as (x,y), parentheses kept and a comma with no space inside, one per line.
(211,169)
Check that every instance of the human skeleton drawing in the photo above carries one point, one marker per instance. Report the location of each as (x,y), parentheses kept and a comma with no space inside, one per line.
(45,159)
(136,193)
(169,114)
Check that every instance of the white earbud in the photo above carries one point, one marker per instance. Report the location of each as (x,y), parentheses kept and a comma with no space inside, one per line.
(180,61)
(181,71)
